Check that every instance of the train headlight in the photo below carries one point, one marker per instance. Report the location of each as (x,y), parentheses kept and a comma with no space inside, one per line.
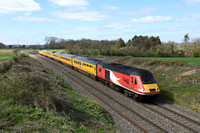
(141,90)
(158,89)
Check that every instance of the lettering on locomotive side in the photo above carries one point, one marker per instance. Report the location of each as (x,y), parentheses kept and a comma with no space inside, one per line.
(126,80)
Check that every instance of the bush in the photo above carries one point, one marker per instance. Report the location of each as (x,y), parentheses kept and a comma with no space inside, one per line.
(195,54)
(33,90)
(5,66)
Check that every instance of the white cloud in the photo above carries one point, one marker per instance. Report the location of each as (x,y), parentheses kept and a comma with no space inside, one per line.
(70,2)
(151,19)
(12,6)
(33,19)
(84,15)
(80,29)
(71,31)
(189,18)
(142,11)
(111,8)
(117,25)
(193,1)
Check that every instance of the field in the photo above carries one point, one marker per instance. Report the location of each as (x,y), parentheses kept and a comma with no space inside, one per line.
(57,50)
(6,54)
(192,61)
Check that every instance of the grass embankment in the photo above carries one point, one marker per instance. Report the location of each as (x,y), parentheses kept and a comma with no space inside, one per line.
(6,54)
(191,61)
(7,58)
(179,80)
(37,50)
(58,50)
(35,99)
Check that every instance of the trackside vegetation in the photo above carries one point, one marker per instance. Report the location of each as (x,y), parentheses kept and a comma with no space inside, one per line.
(34,99)
(7,58)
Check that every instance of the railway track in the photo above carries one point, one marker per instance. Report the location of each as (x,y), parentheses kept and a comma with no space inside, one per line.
(129,111)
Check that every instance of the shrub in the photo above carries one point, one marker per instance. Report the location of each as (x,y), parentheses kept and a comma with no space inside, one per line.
(33,90)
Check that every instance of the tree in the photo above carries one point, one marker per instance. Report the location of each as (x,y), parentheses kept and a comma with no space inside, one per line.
(51,42)
(171,46)
(2,45)
(119,43)
(186,38)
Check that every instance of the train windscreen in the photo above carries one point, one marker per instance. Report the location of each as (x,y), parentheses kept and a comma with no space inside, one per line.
(148,80)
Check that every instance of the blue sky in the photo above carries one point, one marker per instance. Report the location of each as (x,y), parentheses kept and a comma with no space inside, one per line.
(30,21)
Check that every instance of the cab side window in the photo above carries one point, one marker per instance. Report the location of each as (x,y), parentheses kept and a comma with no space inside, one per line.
(99,69)
(135,81)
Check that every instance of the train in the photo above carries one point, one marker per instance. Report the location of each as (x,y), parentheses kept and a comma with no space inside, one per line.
(133,82)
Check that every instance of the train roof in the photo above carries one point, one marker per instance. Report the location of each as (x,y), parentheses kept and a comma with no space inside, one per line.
(103,63)
(127,70)
(68,55)
(87,60)
(58,53)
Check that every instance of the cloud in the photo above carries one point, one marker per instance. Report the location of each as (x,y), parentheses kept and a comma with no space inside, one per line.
(142,11)
(189,18)
(193,1)
(12,6)
(33,19)
(70,2)
(80,29)
(117,25)
(151,19)
(84,15)
(111,8)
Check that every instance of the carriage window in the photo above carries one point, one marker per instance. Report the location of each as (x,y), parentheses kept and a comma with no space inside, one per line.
(99,69)
(135,81)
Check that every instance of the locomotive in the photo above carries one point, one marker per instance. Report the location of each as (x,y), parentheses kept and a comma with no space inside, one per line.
(134,82)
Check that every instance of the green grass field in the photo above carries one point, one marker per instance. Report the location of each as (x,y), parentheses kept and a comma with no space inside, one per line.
(57,50)
(192,61)
(6,54)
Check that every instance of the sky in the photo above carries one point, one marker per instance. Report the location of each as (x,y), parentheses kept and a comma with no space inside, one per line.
(30,21)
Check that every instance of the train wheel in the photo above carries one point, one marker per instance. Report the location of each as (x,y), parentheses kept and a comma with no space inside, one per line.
(139,98)
(135,96)
(107,83)
(126,93)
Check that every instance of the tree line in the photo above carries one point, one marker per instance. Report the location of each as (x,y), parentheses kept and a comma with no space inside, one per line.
(138,46)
